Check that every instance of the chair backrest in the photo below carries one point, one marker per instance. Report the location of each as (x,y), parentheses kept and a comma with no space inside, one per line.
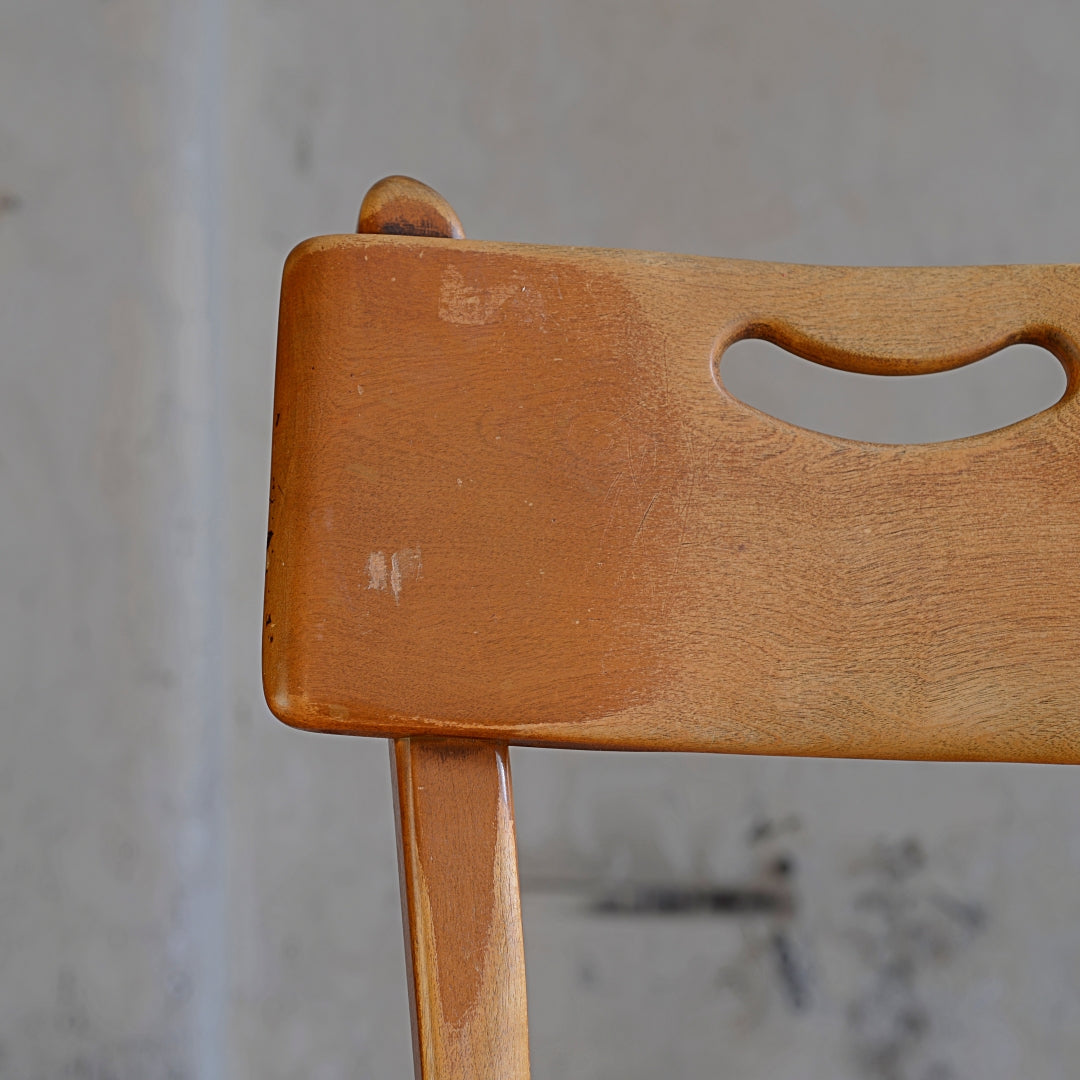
(511,500)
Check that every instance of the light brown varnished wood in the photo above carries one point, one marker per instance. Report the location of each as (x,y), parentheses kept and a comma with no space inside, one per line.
(512,499)
(457,856)
(460,898)
(400,205)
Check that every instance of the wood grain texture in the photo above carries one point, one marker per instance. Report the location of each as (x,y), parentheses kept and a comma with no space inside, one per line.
(457,857)
(460,899)
(511,499)
(400,205)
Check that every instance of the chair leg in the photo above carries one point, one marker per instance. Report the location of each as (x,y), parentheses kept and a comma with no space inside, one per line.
(461,907)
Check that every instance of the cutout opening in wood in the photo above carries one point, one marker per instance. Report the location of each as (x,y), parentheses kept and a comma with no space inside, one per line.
(1001,389)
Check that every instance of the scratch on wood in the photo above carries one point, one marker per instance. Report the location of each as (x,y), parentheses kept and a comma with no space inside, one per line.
(644,516)
(612,486)
(395,576)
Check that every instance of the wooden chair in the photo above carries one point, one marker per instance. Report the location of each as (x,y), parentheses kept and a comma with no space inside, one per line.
(512,502)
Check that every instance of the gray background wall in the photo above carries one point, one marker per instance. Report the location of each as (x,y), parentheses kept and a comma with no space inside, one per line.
(188,889)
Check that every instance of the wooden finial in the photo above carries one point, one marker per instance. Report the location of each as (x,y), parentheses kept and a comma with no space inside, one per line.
(406,207)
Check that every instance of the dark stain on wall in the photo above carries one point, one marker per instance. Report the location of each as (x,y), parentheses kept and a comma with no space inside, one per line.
(903,926)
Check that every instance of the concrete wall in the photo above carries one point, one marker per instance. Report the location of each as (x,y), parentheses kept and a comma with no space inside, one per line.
(188,889)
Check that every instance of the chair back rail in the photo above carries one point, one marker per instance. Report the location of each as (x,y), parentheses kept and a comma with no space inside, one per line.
(512,499)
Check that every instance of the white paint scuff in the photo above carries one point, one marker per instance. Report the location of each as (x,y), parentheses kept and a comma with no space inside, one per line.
(405,566)
(376,568)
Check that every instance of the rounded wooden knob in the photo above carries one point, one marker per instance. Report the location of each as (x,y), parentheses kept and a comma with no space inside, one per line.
(406,207)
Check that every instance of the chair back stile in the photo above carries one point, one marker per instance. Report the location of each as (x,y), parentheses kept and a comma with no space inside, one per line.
(457,850)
